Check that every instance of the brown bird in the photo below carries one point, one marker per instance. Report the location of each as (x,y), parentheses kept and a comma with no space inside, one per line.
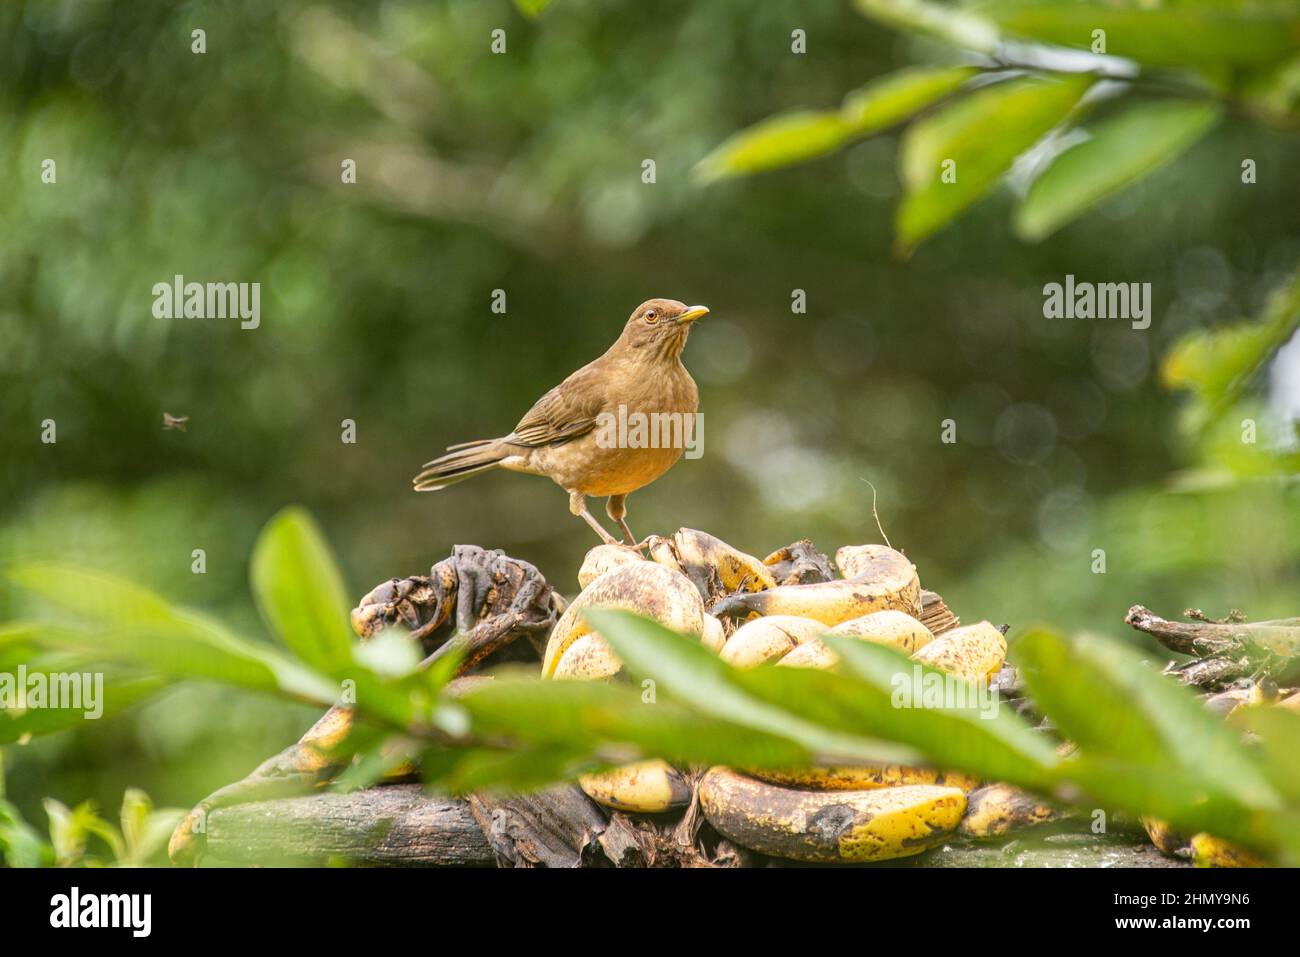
(572,434)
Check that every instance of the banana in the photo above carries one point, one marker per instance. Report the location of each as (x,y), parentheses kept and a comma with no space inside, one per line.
(606,558)
(799,563)
(1165,838)
(885,579)
(830,826)
(892,628)
(974,651)
(714,634)
(865,778)
(649,589)
(1211,851)
(587,659)
(646,787)
(768,639)
(997,809)
(713,566)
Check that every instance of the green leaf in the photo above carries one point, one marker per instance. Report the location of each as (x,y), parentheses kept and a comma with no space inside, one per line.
(982,135)
(1105,697)
(117,697)
(532,8)
(20,843)
(1192,33)
(966,733)
(685,670)
(300,592)
(1278,733)
(801,135)
(955,25)
(136,626)
(1121,150)
(781,140)
(1217,365)
(897,96)
(591,715)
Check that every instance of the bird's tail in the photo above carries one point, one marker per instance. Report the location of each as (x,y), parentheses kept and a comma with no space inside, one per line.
(460,462)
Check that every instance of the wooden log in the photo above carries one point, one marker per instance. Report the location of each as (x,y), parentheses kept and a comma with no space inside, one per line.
(392,825)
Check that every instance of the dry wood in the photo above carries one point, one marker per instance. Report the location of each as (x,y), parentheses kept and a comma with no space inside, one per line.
(1204,639)
(393,825)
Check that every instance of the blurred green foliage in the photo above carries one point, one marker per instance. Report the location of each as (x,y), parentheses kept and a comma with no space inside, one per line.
(522,172)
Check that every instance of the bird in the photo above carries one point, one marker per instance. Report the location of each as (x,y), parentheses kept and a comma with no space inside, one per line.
(568,434)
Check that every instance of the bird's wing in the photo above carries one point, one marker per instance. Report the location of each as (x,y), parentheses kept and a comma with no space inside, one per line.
(566,412)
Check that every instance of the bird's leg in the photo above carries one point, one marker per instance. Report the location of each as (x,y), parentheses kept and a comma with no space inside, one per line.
(616,508)
(578,506)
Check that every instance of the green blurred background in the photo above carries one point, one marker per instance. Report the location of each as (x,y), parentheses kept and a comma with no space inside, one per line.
(523,172)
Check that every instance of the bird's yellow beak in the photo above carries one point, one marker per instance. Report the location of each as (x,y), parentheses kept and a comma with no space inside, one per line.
(692,313)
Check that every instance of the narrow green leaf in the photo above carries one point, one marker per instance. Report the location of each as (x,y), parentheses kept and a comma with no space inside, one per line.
(684,669)
(781,140)
(300,592)
(962,731)
(974,141)
(1196,34)
(897,96)
(955,25)
(1120,151)
(1137,715)
(591,714)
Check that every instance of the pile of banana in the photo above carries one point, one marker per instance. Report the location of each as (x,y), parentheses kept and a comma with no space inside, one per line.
(751,612)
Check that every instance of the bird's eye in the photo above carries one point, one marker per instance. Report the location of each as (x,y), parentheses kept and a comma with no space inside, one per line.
(651,316)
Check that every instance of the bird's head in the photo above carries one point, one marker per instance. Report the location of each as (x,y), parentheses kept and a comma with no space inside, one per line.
(661,326)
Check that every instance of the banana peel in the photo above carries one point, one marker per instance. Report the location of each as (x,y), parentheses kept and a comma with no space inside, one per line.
(829,827)
(884,579)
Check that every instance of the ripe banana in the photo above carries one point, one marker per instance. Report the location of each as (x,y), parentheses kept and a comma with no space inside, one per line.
(1165,838)
(648,589)
(892,628)
(587,659)
(974,651)
(1211,851)
(997,809)
(714,635)
(799,563)
(646,787)
(829,826)
(886,579)
(606,558)
(713,566)
(866,778)
(768,639)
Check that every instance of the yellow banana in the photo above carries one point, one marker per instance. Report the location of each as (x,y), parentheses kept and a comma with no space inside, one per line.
(998,809)
(1165,838)
(646,787)
(829,826)
(713,636)
(768,639)
(606,558)
(587,659)
(865,778)
(974,651)
(892,628)
(713,566)
(646,588)
(886,580)
(1211,851)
